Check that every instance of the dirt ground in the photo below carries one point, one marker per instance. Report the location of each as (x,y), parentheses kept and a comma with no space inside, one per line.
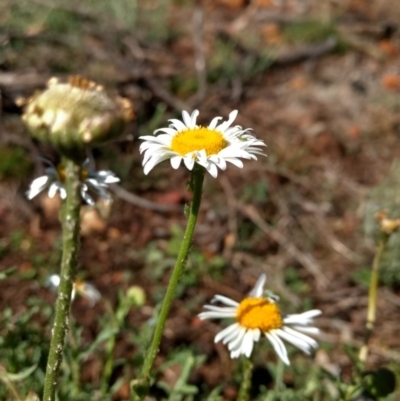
(319,82)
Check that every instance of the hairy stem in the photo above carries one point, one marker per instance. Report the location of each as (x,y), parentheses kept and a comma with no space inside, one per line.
(140,386)
(245,385)
(70,221)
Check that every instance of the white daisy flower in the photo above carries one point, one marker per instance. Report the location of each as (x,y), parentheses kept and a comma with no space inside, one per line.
(92,181)
(256,315)
(210,147)
(80,287)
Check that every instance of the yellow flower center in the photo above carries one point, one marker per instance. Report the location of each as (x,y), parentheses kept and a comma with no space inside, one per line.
(199,138)
(63,175)
(259,313)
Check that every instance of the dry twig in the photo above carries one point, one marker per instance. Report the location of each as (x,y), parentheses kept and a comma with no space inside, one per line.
(144,203)
(200,61)
(305,259)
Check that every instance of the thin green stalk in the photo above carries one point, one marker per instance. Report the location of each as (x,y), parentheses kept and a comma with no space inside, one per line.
(70,221)
(141,385)
(245,385)
(279,371)
(109,352)
(372,296)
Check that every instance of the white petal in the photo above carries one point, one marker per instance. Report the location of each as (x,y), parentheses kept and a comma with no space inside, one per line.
(278,346)
(37,186)
(247,345)
(212,169)
(310,341)
(63,192)
(302,318)
(225,300)
(189,162)
(193,118)
(297,342)
(87,198)
(309,330)
(232,115)
(219,161)
(237,342)
(256,335)
(176,161)
(236,162)
(227,332)
(214,122)
(153,162)
(233,335)
(169,131)
(178,125)
(187,119)
(106,176)
(214,315)
(54,187)
(258,288)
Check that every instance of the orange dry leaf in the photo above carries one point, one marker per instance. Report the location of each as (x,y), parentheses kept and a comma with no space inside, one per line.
(388,47)
(264,3)
(298,83)
(271,33)
(196,322)
(233,3)
(114,233)
(354,131)
(391,81)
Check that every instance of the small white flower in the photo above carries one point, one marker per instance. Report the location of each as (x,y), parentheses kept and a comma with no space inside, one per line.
(80,287)
(92,181)
(256,315)
(210,147)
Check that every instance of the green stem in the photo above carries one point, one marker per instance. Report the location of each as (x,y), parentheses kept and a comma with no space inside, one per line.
(140,386)
(109,352)
(245,385)
(70,221)
(372,296)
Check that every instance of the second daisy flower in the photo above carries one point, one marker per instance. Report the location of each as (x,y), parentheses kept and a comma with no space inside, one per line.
(256,315)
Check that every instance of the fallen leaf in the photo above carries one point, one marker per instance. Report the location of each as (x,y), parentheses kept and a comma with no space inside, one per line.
(391,81)
(175,197)
(354,131)
(388,47)
(298,83)
(271,33)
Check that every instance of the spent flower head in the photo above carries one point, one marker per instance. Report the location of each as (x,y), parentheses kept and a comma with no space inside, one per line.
(210,147)
(91,181)
(258,314)
(75,114)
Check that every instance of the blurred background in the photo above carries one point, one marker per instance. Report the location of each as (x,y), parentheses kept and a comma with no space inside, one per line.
(318,81)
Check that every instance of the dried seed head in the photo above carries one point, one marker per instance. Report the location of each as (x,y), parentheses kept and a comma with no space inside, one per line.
(76,114)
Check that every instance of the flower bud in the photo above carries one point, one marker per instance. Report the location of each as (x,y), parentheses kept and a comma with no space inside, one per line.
(136,295)
(387,225)
(76,114)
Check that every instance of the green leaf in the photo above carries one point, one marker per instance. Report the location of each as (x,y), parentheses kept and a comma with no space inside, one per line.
(6,273)
(103,336)
(21,375)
